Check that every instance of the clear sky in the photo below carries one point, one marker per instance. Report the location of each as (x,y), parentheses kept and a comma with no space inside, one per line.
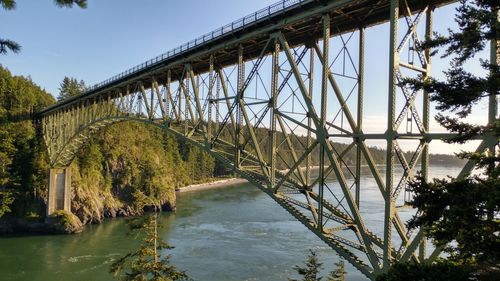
(108,37)
(111,36)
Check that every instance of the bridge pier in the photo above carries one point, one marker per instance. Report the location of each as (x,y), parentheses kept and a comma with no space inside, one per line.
(59,197)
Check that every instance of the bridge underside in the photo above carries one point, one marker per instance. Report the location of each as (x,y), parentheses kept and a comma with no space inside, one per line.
(283,107)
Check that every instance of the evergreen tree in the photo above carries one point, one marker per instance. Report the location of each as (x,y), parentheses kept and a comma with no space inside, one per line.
(339,273)
(461,214)
(311,269)
(147,262)
(8,4)
(171,147)
(69,3)
(6,44)
(11,4)
(70,87)
(6,199)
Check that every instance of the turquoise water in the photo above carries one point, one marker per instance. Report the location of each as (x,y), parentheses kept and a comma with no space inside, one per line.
(230,233)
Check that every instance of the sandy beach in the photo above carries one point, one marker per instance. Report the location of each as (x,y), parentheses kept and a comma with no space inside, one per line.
(210,185)
(229,181)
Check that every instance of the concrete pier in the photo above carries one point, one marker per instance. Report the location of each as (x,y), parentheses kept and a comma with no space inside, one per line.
(59,190)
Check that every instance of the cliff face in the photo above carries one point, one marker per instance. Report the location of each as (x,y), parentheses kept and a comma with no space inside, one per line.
(120,167)
(116,173)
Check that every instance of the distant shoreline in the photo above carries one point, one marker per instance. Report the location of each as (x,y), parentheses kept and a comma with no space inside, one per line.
(211,185)
(235,181)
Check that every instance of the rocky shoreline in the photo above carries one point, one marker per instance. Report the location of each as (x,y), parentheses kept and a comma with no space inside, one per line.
(67,223)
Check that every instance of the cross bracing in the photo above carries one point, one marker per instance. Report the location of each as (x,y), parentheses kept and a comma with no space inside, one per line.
(267,97)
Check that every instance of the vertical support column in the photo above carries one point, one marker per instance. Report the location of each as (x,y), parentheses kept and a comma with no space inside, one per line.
(168,97)
(324,99)
(59,128)
(78,119)
(217,104)
(390,134)
(210,99)
(152,101)
(88,110)
(186,104)
(88,115)
(102,109)
(94,112)
(96,109)
(425,117)
(59,197)
(111,107)
(144,98)
(91,109)
(82,113)
(310,89)
(119,107)
(50,128)
(108,105)
(309,120)
(179,97)
(196,94)
(161,100)
(239,96)
(84,116)
(67,121)
(273,102)
(70,122)
(359,129)
(195,83)
(64,128)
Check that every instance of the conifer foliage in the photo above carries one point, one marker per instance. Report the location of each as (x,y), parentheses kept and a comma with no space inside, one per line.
(461,214)
(23,155)
(70,87)
(310,271)
(147,262)
(465,210)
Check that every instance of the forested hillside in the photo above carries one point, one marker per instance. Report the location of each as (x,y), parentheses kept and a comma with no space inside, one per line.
(127,163)
(23,165)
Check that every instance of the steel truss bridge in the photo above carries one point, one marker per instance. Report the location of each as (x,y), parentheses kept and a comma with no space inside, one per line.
(267,96)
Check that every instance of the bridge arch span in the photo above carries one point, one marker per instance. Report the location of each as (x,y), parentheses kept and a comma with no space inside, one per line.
(63,151)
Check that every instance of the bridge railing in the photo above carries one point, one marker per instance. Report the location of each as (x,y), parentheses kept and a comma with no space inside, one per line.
(239,24)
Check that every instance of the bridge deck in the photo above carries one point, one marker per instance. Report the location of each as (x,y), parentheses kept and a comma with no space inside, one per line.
(299,20)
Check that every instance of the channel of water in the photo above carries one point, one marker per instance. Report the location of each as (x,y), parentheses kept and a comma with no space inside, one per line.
(227,233)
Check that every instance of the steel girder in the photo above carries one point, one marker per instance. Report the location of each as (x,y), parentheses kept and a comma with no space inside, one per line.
(265,119)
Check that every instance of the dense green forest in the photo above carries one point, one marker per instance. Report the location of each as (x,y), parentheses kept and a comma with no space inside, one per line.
(23,165)
(121,166)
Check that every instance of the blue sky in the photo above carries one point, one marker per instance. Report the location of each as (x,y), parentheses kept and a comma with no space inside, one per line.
(111,36)
(108,37)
